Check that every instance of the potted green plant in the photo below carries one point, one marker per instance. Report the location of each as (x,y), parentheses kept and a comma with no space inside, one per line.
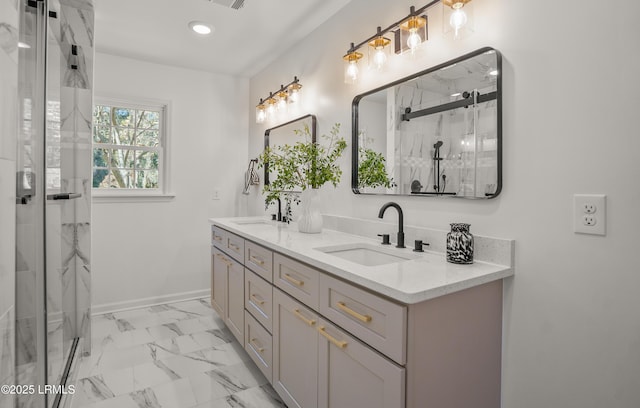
(304,166)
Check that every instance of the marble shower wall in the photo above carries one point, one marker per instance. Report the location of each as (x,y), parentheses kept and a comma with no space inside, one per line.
(8,136)
(76,43)
(413,144)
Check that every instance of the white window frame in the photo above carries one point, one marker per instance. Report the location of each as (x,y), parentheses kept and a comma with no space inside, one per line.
(164,176)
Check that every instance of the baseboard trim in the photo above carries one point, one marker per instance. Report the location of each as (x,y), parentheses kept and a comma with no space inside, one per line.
(146,302)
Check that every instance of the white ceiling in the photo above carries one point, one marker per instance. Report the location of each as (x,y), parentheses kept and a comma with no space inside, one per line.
(243,42)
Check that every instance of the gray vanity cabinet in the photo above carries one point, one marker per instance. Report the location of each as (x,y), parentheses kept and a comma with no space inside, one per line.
(318,365)
(350,374)
(295,352)
(227,292)
(218,282)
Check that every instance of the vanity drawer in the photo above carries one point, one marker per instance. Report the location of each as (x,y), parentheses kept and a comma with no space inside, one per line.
(297,279)
(258,298)
(377,321)
(259,260)
(259,344)
(217,237)
(234,246)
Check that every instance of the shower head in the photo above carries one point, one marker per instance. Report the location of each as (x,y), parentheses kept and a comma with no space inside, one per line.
(438,144)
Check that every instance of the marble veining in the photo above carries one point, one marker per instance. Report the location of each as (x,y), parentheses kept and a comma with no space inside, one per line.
(153,368)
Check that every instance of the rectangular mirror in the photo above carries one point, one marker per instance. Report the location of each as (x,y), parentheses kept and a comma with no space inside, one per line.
(285,134)
(436,133)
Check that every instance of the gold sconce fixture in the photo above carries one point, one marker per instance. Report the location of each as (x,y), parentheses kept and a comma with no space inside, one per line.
(278,100)
(410,33)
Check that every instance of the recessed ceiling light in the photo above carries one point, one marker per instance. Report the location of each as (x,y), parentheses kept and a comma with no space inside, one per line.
(200,28)
(23,45)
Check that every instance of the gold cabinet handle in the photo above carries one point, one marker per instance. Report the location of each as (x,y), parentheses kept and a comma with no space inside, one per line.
(217,238)
(293,280)
(336,342)
(225,260)
(256,346)
(256,299)
(234,246)
(310,322)
(256,260)
(363,318)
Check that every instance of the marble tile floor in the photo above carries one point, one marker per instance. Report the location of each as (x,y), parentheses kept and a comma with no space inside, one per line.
(177,355)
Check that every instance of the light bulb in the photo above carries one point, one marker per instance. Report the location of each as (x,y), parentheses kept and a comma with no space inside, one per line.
(294,96)
(282,105)
(261,115)
(458,19)
(380,57)
(352,70)
(414,40)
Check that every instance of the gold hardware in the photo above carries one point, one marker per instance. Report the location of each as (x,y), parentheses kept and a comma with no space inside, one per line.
(217,237)
(237,248)
(255,345)
(256,299)
(455,4)
(299,315)
(337,343)
(256,260)
(353,56)
(363,318)
(225,260)
(293,280)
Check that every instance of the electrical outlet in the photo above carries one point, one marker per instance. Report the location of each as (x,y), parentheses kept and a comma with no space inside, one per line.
(589,208)
(589,214)
(589,220)
(216,194)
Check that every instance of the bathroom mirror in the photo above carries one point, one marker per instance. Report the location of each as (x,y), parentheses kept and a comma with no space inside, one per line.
(285,135)
(437,133)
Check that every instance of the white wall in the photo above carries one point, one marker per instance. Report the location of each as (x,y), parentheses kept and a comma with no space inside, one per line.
(571,325)
(155,249)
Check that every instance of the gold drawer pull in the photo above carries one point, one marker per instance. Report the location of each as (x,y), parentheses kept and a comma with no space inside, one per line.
(256,260)
(225,260)
(293,280)
(337,343)
(234,246)
(217,238)
(310,322)
(256,346)
(361,317)
(256,299)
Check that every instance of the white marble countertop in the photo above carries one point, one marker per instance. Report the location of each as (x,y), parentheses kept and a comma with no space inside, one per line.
(427,276)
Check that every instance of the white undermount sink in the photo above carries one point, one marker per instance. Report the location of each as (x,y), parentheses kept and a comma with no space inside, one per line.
(251,221)
(367,254)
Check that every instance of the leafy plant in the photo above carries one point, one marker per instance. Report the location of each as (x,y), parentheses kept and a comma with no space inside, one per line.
(372,169)
(303,165)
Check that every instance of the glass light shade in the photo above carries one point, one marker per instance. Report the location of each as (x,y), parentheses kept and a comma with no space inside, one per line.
(379,52)
(457,17)
(351,69)
(261,112)
(294,92)
(271,107)
(282,100)
(413,32)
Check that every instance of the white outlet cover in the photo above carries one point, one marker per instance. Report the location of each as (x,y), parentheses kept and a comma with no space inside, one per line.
(582,204)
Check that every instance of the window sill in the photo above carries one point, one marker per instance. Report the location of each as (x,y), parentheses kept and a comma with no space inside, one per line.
(100,198)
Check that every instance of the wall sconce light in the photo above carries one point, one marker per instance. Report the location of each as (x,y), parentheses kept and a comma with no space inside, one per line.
(278,100)
(261,112)
(378,50)
(351,69)
(409,34)
(413,32)
(457,17)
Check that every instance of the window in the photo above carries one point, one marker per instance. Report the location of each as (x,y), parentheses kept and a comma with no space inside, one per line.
(128,148)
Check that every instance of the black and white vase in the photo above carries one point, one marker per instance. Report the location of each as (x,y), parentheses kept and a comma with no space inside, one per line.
(460,244)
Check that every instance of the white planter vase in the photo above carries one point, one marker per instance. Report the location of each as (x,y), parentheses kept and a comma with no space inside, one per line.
(310,220)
